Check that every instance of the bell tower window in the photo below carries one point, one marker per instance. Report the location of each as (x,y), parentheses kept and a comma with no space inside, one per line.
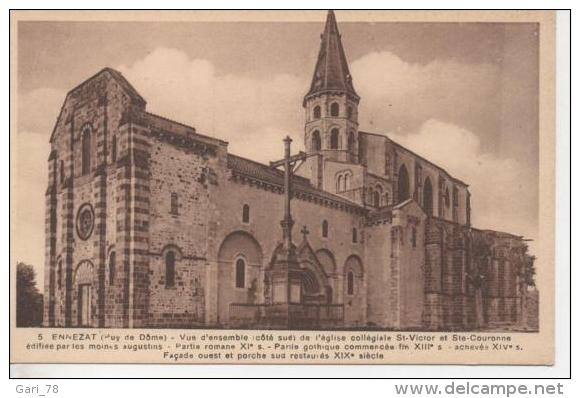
(334,108)
(316,145)
(351,141)
(316,112)
(334,139)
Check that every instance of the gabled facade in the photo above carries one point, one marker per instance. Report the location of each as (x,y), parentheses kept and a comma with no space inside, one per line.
(151,224)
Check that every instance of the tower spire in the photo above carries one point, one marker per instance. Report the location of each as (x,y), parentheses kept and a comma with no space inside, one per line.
(331,73)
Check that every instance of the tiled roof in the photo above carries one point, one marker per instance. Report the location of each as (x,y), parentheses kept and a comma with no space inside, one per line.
(267,174)
(331,72)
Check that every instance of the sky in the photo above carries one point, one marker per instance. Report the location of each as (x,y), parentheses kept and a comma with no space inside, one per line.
(464,95)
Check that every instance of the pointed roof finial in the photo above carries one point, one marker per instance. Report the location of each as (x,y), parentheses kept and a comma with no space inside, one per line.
(331,72)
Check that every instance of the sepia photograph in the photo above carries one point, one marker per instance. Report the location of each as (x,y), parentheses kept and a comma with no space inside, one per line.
(351,173)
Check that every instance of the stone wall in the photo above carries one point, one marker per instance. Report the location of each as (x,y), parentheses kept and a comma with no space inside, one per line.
(190,176)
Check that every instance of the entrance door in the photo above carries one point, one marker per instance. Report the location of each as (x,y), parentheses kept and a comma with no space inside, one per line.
(85,305)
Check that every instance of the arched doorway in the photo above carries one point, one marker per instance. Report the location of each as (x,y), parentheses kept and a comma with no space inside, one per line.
(403,184)
(239,264)
(83,283)
(313,286)
(428,197)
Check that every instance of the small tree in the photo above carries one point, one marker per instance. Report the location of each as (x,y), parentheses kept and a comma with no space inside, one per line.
(29,301)
(530,271)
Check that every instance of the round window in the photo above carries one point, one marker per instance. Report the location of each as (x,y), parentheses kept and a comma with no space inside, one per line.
(85,221)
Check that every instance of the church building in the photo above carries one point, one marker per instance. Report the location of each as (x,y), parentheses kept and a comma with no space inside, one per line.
(152,224)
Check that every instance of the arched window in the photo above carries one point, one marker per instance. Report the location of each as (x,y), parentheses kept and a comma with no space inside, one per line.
(386,199)
(174,204)
(334,135)
(354,235)
(334,109)
(170,269)
(325,229)
(59,274)
(428,197)
(446,197)
(346,182)
(316,112)
(112,269)
(361,149)
(414,237)
(350,283)
(114,149)
(246,214)
(376,198)
(403,184)
(62,171)
(339,183)
(240,273)
(349,112)
(316,144)
(351,141)
(86,151)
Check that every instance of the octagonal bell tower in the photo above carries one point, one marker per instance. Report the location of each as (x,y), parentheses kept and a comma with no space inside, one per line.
(331,104)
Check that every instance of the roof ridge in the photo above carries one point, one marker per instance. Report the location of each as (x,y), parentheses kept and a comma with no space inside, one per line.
(303,183)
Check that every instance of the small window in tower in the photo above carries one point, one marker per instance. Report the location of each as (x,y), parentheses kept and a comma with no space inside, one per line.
(354,235)
(339,183)
(334,109)
(316,144)
(112,267)
(240,273)
(446,198)
(86,151)
(334,135)
(170,269)
(350,283)
(361,149)
(414,237)
(349,112)
(325,229)
(316,112)
(351,141)
(246,214)
(174,204)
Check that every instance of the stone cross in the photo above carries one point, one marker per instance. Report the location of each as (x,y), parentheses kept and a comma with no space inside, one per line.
(288,162)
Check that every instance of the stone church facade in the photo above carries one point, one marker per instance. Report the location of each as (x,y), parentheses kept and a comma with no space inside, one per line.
(151,224)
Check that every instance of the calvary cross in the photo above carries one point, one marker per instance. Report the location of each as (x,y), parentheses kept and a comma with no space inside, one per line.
(289,163)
